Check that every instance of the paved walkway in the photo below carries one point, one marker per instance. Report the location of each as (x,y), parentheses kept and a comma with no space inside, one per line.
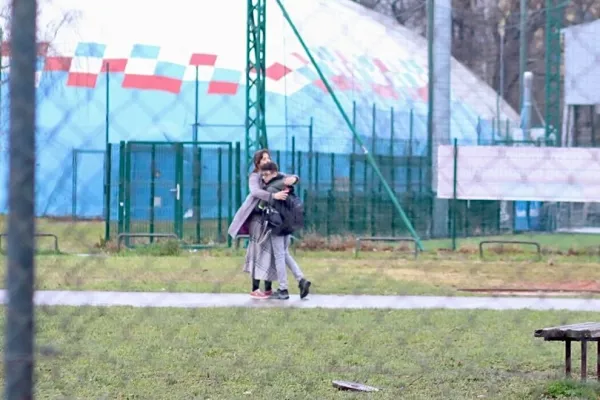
(207,300)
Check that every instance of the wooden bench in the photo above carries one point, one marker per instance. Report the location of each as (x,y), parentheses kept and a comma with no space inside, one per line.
(583,333)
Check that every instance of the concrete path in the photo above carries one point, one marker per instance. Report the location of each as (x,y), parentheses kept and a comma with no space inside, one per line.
(207,300)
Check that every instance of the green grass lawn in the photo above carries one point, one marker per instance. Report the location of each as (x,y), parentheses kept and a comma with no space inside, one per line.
(125,353)
(86,236)
(378,270)
(330,273)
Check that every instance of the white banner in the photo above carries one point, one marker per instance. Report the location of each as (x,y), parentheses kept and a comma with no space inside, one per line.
(520,173)
(582,53)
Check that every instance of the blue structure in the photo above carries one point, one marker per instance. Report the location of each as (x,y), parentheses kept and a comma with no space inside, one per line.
(135,86)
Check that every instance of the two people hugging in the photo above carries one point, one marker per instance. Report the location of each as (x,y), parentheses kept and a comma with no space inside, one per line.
(268,253)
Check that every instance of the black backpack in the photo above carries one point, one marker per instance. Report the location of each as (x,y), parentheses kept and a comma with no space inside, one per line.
(287,216)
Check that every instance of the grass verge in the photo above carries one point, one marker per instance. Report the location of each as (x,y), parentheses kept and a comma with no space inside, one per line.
(87,236)
(124,353)
(331,273)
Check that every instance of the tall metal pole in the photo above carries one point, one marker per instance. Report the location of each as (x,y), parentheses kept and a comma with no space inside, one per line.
(522,48)
(20,278)
(500,93)
(440,111)
(359,141)
(430,106)
(256,129)
(107,157)
(552,77)
(430,80)
(196,106)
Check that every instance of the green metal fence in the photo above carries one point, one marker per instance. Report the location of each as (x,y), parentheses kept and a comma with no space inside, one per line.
(192,189)
(186,188)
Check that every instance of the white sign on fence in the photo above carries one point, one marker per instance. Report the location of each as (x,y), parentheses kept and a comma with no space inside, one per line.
(520,173)
(582,55)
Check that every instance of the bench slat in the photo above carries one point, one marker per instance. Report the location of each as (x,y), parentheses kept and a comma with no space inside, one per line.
(585,330)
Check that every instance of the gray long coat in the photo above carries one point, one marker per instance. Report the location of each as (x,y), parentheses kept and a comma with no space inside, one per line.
(257,193)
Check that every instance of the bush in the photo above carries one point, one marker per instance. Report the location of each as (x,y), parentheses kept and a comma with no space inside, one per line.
(569,389)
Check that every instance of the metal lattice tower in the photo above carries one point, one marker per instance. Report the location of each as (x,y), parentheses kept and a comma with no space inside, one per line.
(256,129)
(554,22)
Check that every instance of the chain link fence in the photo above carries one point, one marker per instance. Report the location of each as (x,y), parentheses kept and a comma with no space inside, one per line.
(445,219)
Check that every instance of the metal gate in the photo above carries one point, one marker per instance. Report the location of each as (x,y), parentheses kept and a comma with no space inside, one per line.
(190,189)
(152,185)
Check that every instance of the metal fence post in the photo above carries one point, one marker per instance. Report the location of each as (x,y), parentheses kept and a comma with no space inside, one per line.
(354,125)
(373,138)
(372,207)
(351,183)
(299,173)
(196,170)
(107,155)
(121,195)
(373,129)
(392,166)
(229,190)
(332,171)
(198,199)
(329,213)
(19,353)
(454,189)
(152,189)
(127,190)
(293,154)
(315,194)
(411,117)
(180,190)
(219,194)
(74,185)
(392,123)
(238,175)
(310,153)
(305,201)
(366,194)
(196,106)
(107,190)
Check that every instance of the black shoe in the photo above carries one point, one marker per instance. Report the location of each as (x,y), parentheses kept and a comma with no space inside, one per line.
(280,295)
(304,287)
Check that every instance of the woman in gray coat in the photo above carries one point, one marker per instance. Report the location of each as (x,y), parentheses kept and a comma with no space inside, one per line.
(247,220)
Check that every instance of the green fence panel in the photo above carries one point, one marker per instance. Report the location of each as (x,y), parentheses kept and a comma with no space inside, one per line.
(194,188)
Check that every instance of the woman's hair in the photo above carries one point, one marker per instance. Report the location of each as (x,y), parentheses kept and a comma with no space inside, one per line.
(258,157)
(270,166)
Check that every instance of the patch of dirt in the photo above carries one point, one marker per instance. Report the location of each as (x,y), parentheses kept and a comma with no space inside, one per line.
(573,286)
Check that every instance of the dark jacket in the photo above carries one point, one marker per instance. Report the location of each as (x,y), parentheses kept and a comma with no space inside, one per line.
(239,225)
(289,213)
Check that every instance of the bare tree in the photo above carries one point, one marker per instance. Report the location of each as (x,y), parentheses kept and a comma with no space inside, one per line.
(50,24)
(476,40)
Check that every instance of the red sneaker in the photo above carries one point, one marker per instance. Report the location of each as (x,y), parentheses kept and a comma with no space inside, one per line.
(258,294)
(268,293)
